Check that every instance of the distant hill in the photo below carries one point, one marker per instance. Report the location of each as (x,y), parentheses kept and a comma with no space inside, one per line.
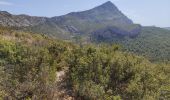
(167,28)
(8,19)
(152,42)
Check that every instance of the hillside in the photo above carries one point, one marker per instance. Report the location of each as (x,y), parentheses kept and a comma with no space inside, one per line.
(8,19)
(167,28)
(101,24)
(91,20)
(72,24)
(31,66)
(152,42)
(34,24)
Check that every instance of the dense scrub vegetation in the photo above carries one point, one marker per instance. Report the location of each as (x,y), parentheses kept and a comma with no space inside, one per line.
(29,63)
(152,42)
(105,73)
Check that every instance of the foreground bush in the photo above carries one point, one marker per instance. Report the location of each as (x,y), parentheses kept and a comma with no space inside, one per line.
(29,63)
(105,73)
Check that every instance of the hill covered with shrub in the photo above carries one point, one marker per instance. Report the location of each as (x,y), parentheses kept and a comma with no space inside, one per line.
(29,63)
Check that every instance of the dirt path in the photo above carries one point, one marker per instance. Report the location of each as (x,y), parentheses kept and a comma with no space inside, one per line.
(62,92)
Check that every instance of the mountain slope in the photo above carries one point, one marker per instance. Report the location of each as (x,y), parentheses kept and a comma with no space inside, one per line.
(168,28)
(84,22)
(91,20)
(152,42)
(7,19)
(32,23)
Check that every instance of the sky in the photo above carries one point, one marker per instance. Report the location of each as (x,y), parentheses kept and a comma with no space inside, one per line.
(144,12)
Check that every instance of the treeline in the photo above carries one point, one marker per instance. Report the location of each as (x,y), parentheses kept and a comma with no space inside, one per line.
(29,63)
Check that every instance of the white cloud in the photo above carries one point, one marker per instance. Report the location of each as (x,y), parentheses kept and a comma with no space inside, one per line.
(4,3)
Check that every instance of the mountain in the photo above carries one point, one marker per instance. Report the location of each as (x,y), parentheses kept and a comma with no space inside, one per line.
(66,26)
(8,19)
(104,23)
(31,23)
(91,20)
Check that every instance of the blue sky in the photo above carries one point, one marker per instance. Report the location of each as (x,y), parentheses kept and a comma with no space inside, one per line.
(145,12)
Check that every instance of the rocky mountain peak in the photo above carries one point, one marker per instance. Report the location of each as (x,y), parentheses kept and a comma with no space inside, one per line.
(100,17)
(107,6)
(4,13)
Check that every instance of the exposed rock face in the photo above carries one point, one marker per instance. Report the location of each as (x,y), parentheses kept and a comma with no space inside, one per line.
(108,12)
(7,19)
(71,29)
(107,34)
